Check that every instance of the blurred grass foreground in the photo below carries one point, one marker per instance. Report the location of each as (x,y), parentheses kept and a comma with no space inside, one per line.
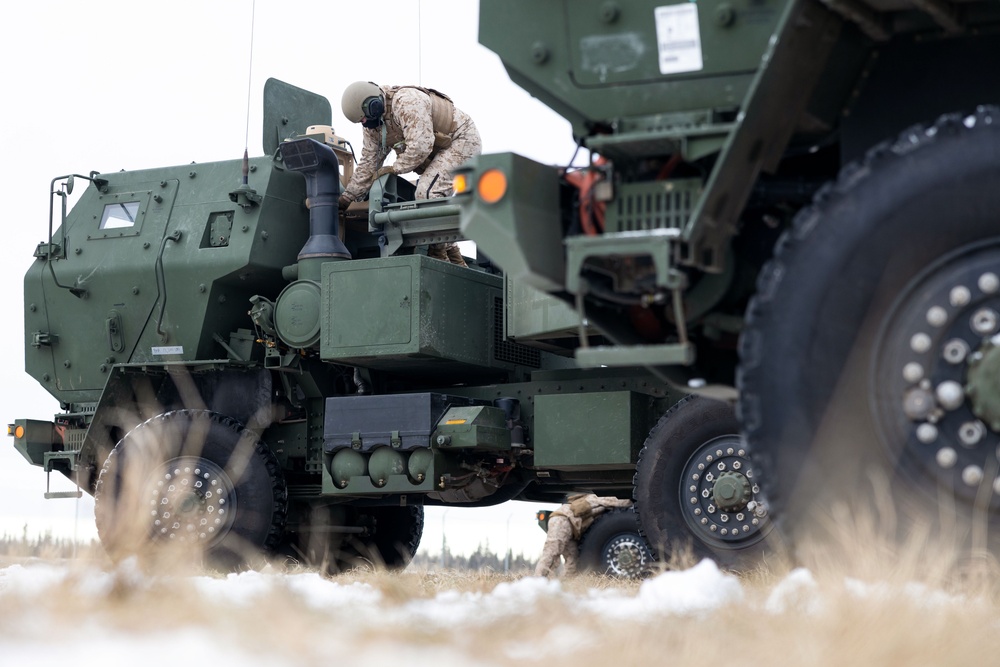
(857,601)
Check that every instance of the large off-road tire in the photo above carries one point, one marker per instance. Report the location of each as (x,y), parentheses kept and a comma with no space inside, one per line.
(194,486)
(696,487)
(868,362)
(335,538)
(613,546)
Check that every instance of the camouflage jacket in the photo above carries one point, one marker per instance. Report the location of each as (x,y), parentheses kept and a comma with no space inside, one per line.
(409,132)
(581,510)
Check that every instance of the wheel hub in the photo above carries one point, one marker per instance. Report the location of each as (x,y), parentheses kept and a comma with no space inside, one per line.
(626,556)
(937,373)
(983,387)
(720,496)
(192,500)
(732,491)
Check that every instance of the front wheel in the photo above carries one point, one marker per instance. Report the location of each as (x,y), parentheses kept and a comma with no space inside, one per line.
(870,355)
(191,484)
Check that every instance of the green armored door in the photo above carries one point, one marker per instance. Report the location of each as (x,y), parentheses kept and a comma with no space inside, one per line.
(85,312)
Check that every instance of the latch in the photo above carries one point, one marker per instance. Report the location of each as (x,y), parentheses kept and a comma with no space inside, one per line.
(40,338)
(116,334)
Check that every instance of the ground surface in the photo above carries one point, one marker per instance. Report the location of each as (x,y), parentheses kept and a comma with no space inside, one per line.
(883,609)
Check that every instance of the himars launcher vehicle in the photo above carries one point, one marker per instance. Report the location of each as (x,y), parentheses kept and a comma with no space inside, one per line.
(774,290)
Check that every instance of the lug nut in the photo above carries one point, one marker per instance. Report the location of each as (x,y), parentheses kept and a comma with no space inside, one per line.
(972,475)
(927,433)
(989,283)
(946,457)
(984,321)
(937,316)
(917,404)
(970,433)
(950,394)
(920,343)
(955,351)
(913,372)
(959,296)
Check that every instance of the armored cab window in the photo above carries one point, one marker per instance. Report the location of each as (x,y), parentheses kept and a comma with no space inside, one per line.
(119,215)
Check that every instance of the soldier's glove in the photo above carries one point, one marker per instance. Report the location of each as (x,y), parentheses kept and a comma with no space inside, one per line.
(343,202)
(382,171)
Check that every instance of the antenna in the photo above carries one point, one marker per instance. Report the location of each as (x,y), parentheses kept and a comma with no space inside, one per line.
(420,34)
(246,138)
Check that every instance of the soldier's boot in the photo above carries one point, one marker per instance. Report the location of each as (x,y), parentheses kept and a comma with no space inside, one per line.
(437,251)
(455,255)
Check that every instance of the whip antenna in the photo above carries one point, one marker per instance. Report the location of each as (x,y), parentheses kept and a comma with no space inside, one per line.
(420,45)
(246,138)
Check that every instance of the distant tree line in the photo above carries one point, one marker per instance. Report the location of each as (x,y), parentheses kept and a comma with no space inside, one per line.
(483,558)
(44,546)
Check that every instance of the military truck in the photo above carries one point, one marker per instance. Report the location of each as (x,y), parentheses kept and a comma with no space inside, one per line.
(772,290)
(242,371)
(789,205)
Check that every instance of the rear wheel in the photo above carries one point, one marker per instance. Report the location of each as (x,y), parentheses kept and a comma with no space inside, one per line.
(613,546)
(696,486)
(870,354)
(191,485)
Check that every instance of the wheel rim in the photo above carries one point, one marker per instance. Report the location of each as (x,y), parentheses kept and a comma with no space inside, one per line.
(936,396)
(720,496)
(192,501)
(626,556)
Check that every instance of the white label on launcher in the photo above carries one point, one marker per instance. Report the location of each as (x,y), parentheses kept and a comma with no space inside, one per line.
(168,349)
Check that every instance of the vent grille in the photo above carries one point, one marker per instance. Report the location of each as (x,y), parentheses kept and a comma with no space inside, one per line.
(73,439)
(507,351)
(656,205)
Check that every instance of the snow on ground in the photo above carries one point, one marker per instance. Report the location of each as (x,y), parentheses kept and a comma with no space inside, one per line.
(357,608)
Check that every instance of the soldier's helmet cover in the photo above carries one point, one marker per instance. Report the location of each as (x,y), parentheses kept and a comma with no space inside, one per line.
(354,101)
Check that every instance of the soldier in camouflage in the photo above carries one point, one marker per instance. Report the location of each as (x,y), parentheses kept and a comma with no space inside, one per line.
(427,132)
(565,527)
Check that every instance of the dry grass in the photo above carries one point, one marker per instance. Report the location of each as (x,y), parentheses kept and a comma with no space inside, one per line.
(862,602)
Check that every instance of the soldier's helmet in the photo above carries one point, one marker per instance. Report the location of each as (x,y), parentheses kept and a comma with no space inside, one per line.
(362,100)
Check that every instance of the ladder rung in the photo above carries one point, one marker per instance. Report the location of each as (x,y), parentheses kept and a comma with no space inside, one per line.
(63,494)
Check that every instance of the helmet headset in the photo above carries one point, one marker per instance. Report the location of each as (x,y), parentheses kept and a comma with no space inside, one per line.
(373,107)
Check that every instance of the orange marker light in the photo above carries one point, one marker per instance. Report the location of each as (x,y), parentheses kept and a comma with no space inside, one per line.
(18,432)
(492,186)
(460,184)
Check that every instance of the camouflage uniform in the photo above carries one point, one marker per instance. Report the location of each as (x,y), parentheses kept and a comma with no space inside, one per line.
(409,131)
(566,525)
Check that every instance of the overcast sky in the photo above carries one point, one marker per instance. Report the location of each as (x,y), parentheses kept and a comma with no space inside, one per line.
(130,85)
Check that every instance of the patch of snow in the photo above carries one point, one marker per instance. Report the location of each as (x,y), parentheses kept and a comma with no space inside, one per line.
(798,591)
